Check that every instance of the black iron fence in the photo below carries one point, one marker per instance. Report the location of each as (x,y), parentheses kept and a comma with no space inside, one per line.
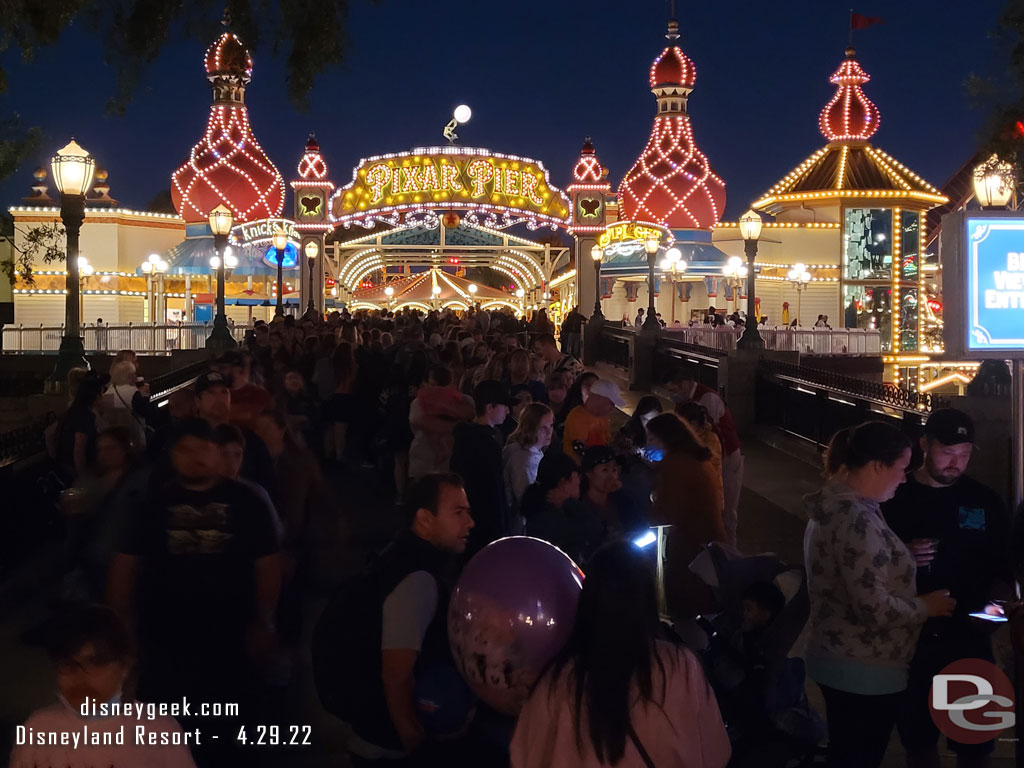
(814,404)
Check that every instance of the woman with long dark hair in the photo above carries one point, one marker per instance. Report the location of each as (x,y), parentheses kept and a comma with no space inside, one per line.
(617,694)
(635,430)
(688,497)
(865,612)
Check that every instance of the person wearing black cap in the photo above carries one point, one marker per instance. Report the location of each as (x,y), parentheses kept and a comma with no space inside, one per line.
(476,458)
(553,513)
(602,493)
(957,530)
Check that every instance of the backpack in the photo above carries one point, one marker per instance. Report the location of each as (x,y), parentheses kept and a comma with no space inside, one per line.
(343,639)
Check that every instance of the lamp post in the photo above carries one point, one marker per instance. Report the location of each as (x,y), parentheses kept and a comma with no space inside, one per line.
(735,274)
(993,183)
(389,292)
(750,230)
(312,250)
(597,254)
(522,305)
(799,277)
(280,241)
(73,169)
(154,267)
(673,265)
(221,221)
(85,269)
(436,293)
(651,246)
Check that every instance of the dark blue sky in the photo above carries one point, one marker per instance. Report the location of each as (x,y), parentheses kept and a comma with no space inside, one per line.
(540,75)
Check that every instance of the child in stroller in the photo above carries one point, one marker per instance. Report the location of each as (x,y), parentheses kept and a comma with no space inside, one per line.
(761,608)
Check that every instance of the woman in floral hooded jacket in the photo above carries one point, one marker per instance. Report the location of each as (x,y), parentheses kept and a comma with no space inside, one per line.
(865,613)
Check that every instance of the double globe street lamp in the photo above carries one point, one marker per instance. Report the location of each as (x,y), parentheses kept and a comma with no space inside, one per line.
(73,170)
(673,265)
(800,278)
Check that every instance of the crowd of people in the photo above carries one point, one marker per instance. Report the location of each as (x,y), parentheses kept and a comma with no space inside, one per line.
(200,533)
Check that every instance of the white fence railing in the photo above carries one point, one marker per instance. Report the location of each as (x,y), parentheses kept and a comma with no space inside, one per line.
(143,338)
(807,341)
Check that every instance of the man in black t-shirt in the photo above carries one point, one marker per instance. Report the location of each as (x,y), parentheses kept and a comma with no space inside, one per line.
(476,458)
(958,531)
(198,569)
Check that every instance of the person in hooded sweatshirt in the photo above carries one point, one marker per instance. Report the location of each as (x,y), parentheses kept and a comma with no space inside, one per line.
(866,614)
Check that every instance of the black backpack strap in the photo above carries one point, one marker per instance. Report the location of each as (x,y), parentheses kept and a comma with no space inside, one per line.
(640,747)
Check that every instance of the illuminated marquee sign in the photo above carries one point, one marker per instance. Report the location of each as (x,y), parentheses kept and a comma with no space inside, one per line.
(450,178)
(262,231)
(983,256)
(627,232)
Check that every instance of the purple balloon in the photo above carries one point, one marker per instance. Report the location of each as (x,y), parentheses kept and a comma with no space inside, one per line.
(512,610)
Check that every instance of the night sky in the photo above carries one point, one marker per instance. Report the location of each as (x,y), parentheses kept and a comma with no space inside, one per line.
(540,75)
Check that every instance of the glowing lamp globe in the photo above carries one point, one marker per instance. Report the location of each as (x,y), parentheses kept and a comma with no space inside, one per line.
(230,261)
(147,267)
(436,290)
(673,255)
(472,288)
(73,169)
(651,245)
(520,293)
(221,220)
(462,114)
(596,253)
(312,249)
(389,291)
(215,262)
(750,225)
(993,183)
(280,239)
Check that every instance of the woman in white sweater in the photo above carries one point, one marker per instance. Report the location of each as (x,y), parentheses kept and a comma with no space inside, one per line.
(524,450)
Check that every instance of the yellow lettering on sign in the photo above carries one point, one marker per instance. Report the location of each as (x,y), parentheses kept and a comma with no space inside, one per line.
(376,179)
(511,182)
(450,178)
(480,172)
(481,179)
(626,231)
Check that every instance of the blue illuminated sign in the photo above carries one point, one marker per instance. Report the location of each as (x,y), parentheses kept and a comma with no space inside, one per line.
(995,284)
(291,256)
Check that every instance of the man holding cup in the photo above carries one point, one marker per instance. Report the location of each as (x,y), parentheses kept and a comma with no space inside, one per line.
(958,531)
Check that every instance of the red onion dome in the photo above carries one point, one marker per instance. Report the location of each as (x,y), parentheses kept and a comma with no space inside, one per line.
(227,165)
(673,67)
(229,56)
(672,183)
(850,115)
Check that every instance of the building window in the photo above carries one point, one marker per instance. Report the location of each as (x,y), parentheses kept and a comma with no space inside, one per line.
(867,244)
(869,307)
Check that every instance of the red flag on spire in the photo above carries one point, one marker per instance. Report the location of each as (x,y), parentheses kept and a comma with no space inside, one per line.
(860,21)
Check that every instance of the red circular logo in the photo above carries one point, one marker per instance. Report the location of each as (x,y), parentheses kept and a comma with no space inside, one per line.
(971,701)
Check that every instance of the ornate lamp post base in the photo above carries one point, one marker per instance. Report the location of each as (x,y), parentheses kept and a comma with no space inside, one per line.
(220,339)
(71,355)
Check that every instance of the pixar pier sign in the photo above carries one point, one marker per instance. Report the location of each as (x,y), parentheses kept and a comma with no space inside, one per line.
(450,178)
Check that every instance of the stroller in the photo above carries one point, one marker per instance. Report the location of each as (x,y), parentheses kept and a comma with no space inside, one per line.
(760,690)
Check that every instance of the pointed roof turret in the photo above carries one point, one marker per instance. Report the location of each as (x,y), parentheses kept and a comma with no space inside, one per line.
(227,165)
(850,115)
(671,184)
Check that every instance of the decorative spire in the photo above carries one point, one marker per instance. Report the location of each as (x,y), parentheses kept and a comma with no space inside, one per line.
(850,115)
(40,190)
(312,166)
(588,168)
(671,184)
(228,166)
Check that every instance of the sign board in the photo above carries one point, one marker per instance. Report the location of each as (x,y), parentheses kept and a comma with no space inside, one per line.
(261,231)
(982,254)
(445,178)
(628,232)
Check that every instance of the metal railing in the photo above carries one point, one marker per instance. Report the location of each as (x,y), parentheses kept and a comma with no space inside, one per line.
(806,341)
(143,338)
(815,404)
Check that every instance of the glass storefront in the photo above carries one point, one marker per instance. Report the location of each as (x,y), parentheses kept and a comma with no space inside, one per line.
(869,307)
(867,244)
